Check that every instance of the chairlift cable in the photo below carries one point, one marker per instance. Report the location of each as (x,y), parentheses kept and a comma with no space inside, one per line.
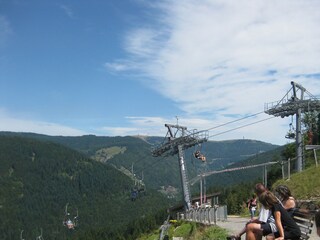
(233,129)
(221,125)
(246,125)
(310,94)
(230,130)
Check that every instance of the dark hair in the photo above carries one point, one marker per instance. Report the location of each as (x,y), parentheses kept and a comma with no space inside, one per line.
(283,191)
(268,199)
(259,188)
(317,219)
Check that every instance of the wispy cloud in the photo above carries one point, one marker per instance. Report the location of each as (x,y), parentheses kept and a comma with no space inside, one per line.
(20,124)
(219,52)
(121,66)
(68,11)
(272,130)
(5,30)
(225,58)
(120,131)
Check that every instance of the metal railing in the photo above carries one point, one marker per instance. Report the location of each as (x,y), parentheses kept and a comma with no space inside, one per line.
(205,215)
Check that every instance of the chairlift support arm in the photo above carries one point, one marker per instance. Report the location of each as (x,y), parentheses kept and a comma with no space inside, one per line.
(176,145)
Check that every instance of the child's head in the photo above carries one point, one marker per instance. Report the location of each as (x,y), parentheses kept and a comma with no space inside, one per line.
(267,199)
(259,188)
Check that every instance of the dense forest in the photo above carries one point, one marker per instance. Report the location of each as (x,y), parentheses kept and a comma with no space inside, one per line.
(127,153)
(39,178)
(41,174)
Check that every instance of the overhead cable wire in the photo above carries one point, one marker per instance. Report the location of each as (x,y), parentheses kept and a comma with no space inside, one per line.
(252,115)
(232,128)
(221,125)
(246,125)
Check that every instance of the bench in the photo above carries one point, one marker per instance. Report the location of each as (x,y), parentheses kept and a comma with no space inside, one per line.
(304,219)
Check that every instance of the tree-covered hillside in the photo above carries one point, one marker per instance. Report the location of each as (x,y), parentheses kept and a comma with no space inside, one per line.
(250,174)
(133,155)
(38,179)
(126,153)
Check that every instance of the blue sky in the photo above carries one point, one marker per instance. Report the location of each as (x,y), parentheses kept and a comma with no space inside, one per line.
(127,67)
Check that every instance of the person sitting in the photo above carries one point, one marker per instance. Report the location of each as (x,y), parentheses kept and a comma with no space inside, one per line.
(200,156)
(261,226)
(283,193)
(287,227)
(70,224)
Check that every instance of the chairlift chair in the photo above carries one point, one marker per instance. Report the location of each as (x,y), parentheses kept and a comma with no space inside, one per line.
(40,236)
(134,194)
(68,221)
(21,238)
(197,154)
(291,133)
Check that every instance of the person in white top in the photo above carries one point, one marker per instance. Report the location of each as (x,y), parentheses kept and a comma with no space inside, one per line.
(258,227)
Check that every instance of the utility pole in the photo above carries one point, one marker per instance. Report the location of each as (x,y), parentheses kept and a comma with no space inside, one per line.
(176,141)
(265,175)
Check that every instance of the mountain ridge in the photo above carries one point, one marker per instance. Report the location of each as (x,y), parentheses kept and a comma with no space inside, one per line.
(134,154)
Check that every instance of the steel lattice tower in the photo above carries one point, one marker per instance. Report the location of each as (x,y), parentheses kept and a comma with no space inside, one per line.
(176,141)
(293,104)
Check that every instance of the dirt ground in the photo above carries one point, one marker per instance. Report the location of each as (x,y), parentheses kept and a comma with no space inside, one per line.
(234,224)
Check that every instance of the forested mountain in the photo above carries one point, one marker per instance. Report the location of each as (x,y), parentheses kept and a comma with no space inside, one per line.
(38,179)
(40,174)
(127,153)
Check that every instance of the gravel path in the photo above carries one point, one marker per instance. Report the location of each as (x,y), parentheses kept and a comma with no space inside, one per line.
(234,224)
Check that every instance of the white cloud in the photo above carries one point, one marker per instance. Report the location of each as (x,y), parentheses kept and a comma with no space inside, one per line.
(218,60)
(16,124)
(119,131)
(261,127)
(5,30)
(226,58)
(272,131)
(119,66)
(68,11)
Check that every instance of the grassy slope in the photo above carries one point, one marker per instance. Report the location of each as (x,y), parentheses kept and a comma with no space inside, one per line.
(304,185)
